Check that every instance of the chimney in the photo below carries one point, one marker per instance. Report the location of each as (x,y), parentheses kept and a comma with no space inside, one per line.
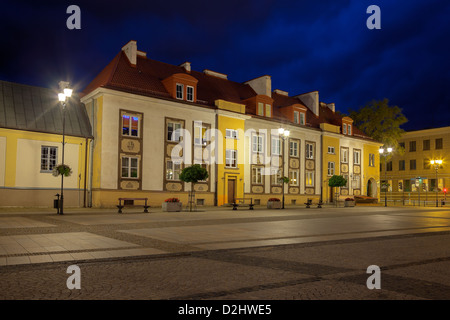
(130,50)
(311,100)
(186,66)
(215,74)
(261,85)
(284,93)
(331,106)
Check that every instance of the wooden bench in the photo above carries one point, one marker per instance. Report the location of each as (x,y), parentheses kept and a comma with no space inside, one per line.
(120,206)
(243,202)
(309,203)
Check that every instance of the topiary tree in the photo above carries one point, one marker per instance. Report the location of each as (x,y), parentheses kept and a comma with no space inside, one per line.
(337,181)
(193,174)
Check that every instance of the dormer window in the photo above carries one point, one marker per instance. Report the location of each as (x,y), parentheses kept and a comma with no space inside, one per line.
(179,91)
(264,110)
(349,129)
(344,128)
(347,126)
(190,93)
(260,109)
(268,110)
(296,117)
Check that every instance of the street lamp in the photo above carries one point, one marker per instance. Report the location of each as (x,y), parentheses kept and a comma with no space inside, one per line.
(284,134)
(65,93)
(436,164)
(385,152)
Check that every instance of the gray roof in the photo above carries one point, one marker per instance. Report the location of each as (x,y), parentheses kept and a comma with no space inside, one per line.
(29,108)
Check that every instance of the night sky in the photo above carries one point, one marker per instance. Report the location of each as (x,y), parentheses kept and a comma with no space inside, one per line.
(303,45)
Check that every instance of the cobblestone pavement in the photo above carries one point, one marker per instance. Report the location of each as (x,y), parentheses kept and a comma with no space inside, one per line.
(295,254)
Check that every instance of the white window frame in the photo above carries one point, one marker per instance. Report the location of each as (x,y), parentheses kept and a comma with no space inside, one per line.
(130,126)
(331,167)
(231,158)
(176,131)
(275,174)
(293,177)
(344,155)
(309,150)
(268,111)
(174,167)
(258,143)
(129,167)
(331,150)
(276,146)
(302,118)
(344,128)
(296,117)
(190,95)
(49,159)
(309,178)
(231,134)
(356,157)
(179,94)
(295,149)
(260,111)
(349,129)
(257,175)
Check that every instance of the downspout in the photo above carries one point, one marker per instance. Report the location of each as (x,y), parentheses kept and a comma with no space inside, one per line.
(85,172)
(216,172)
(91,153)
(321,167)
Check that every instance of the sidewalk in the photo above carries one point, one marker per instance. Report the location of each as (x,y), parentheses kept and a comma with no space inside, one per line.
(30,236)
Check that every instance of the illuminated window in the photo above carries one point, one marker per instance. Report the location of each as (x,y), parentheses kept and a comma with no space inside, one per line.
(293,177)
(309,175)
(130,125)
(260,109)
(173,170)
(268,110)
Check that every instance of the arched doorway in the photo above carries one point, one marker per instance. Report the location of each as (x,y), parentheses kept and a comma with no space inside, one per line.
(372,188)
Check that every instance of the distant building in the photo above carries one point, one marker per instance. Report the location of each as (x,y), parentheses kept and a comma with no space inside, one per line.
(30,146)
(411,176)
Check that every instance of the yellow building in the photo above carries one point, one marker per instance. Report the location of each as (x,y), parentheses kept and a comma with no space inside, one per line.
(31,143)
(411,176)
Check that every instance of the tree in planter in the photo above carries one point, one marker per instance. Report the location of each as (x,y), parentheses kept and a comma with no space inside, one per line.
(337,181)
(193,174)
(62,169)
(283,180)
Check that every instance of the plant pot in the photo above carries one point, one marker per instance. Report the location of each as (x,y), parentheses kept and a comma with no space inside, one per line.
(349,203)
(273,204)
(171,206)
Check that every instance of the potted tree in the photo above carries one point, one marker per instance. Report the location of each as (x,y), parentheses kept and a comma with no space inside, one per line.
(349,202)
(337,182)
(171,205)
(193,174)
(274,203)
(62,169)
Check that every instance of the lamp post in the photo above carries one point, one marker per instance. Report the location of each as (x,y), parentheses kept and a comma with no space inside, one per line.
(436,164)
(62,97)
(385,152)
(284,134)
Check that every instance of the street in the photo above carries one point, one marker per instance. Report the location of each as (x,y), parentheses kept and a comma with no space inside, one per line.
(291,254)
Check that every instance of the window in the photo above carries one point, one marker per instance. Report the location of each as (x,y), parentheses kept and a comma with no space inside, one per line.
(426,144)
(344,128)
(412,164)
(293,148)
(190,93)
(200,134)
(349,129)
(400,186)
(231,158)
(344,155)
(309,175)
(276,176)
(268,110)
(401,145)
(356,182)
(389,166)
(331,150)
(356,157)
(330,169)
(260,109)
(426,164)
(173,170)
(302,118)
(439,143)
(293,177)
(179,92)
(276,146)
(346,181)
(296,117)
(173,131)
(371,160)
(309,151)
(130,167)
(401,165)
(412,146)
(257,144)
(257,175)
(130,125)
(48,158)
(231,134)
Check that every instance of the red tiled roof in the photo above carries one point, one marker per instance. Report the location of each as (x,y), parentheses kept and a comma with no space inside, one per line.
(146,79)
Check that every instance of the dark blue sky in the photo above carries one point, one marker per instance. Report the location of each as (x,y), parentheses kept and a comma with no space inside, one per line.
(303,45)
